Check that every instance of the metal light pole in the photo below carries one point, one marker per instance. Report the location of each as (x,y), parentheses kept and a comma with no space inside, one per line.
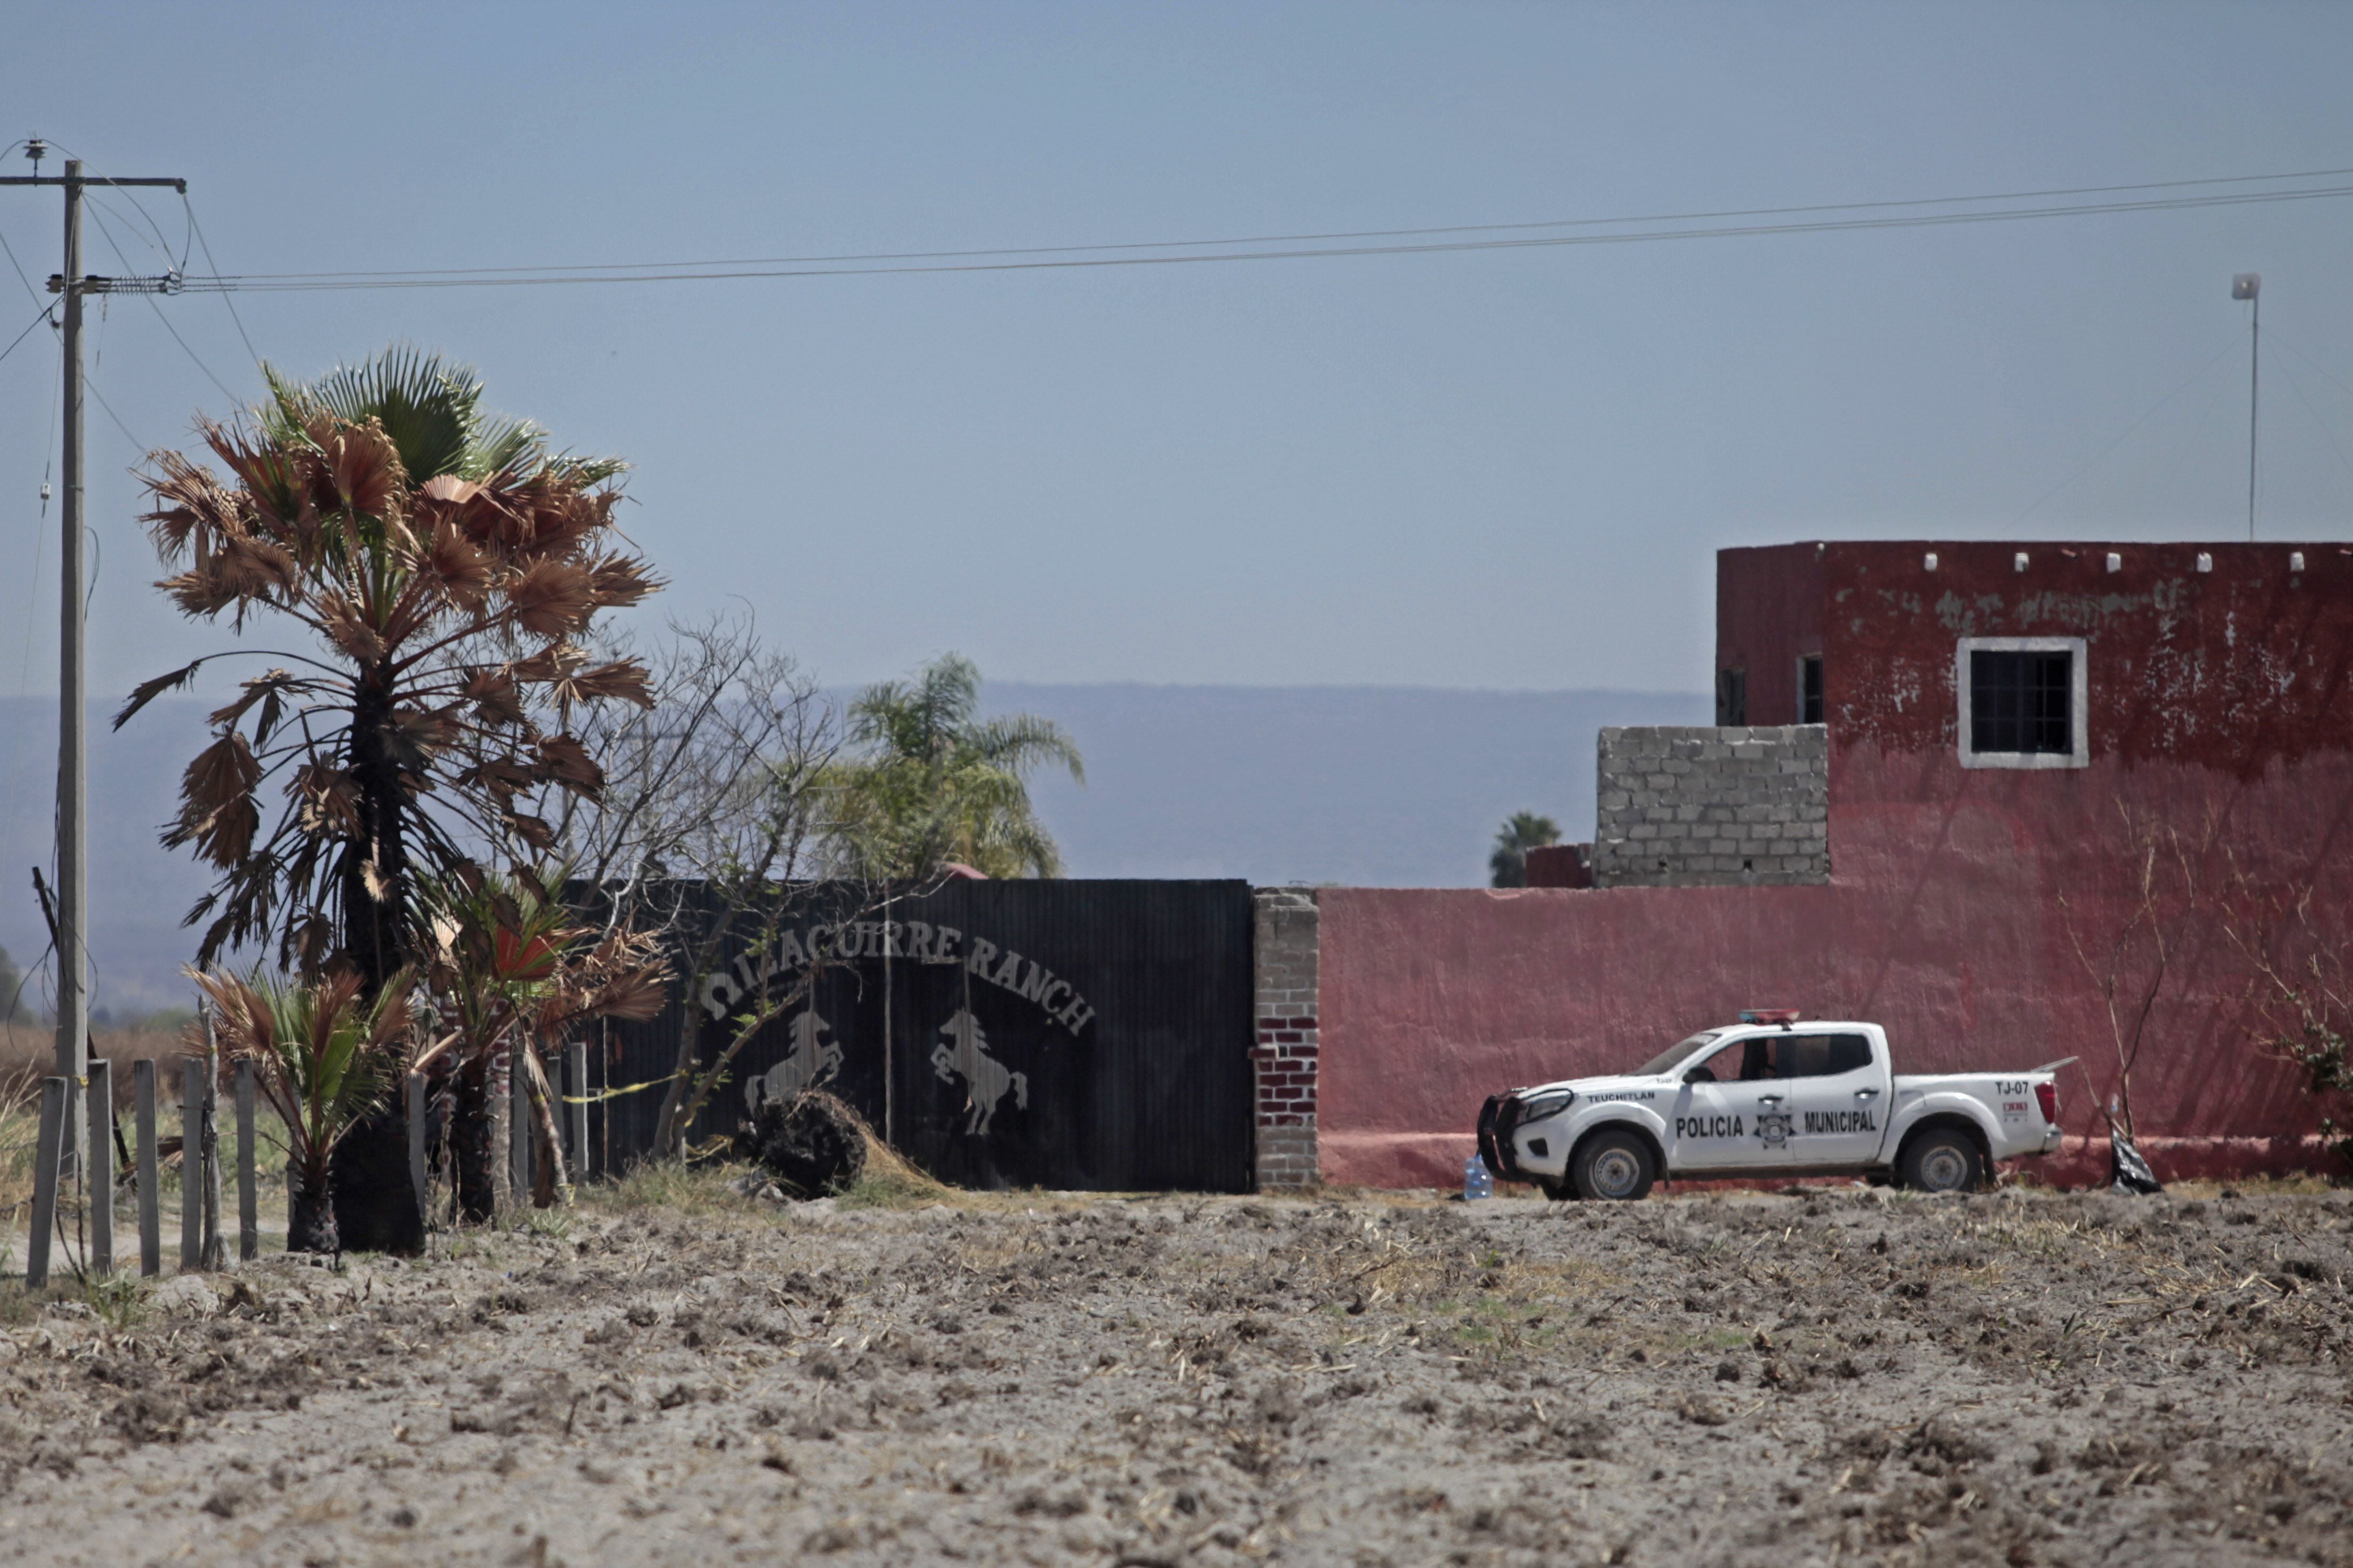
(2249,286)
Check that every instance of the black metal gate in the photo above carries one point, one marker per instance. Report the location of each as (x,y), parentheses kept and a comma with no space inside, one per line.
(1090,1035)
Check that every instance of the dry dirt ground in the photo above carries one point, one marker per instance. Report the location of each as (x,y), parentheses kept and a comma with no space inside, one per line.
(1833,1376)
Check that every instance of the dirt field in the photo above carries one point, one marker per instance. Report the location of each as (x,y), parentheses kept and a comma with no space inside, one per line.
(1840,1376)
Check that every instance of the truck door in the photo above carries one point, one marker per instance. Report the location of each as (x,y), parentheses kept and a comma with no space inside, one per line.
(1727,1112)
(1837,1097)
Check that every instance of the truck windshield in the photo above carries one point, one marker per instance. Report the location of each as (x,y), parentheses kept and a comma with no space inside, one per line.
(1658,1065)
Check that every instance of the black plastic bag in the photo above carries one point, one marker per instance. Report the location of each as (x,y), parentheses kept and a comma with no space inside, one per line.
(2128,1173)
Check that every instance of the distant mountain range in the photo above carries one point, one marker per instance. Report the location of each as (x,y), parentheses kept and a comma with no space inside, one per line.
(1383,786)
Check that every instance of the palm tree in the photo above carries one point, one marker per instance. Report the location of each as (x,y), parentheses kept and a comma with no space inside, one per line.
(326,1054)
(512,970)
(1507,865)
(441,568)
(938,787)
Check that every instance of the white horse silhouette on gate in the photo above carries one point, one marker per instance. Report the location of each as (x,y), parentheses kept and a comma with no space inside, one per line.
(810,1062)
(986,1079)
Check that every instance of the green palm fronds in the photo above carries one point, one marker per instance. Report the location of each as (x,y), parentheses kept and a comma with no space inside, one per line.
(326,1056)
(431,411)
(937,785)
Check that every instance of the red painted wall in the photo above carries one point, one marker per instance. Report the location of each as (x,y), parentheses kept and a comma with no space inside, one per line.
(1983,915)
(2233,669)
(1769,614)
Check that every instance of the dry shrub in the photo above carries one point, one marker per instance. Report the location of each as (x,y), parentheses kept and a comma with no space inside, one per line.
(28,1054)
(890,1180)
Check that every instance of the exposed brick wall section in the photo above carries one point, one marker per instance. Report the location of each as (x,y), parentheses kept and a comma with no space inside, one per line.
(1701,807)
(1288,1037)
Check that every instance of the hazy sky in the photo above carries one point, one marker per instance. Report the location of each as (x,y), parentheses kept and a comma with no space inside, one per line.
(1497,468)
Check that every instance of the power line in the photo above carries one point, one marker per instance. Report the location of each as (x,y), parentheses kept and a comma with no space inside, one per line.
(160,316)
(20,337)
(92,383)
(28,282)
(161,245)
(198,230)
(719,272)
(1296,238)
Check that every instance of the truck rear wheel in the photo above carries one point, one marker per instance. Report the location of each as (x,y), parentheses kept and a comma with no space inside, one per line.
(1613,1165)
(1942,1160)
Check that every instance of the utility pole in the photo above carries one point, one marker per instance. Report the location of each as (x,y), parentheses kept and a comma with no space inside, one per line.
(73,770)
(2249,286)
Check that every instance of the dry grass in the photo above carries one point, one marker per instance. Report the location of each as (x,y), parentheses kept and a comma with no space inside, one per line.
(27,1052)
(891,1180)
(702,1190)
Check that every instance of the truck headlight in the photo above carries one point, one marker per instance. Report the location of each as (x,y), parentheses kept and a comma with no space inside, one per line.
(1551,1102)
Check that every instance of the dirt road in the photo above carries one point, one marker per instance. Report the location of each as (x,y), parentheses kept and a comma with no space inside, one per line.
(1837,1376)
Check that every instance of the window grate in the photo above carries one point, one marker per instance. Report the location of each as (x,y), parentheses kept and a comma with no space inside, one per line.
(1810,689)
(2019,702)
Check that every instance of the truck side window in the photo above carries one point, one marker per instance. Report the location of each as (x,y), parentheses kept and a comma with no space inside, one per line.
(1824,1056)
(1730,1063)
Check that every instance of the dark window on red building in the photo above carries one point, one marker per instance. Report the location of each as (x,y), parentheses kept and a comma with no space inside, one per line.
(1732,697)
(2019,702)
(1810,689)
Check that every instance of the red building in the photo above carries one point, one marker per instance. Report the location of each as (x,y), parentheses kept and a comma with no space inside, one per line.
(2078,799)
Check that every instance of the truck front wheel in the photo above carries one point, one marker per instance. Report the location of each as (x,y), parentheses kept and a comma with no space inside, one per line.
(1613,1165)
(1942,1160)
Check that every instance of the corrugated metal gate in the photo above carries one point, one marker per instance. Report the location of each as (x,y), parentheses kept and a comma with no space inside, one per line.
(1090,1035)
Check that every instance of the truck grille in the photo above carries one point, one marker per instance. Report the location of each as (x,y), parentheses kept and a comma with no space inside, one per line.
(1498,1119)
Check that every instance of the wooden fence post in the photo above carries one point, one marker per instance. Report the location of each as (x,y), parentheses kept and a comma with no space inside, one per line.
(576,1090)
(100,1123)
(249,1192)
(521,1124)
(416,1110)
(216,1253)
(55,1097)
(192,1164)
(151,1210)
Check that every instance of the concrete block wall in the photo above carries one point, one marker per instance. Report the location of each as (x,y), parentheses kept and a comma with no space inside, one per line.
(1288,1037)
(1723,805)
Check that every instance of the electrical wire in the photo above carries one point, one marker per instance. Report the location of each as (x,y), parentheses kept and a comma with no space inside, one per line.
(1294,238)
(161,245)
(27,332)
(1546,241)
(108,234)
(90,384)
(198,230)
(13,795)
(11,252)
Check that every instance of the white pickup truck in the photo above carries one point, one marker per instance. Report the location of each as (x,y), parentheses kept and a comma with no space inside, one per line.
(1771,1096)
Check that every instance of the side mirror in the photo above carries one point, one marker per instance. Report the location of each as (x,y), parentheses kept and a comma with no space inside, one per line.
(1699,1075)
